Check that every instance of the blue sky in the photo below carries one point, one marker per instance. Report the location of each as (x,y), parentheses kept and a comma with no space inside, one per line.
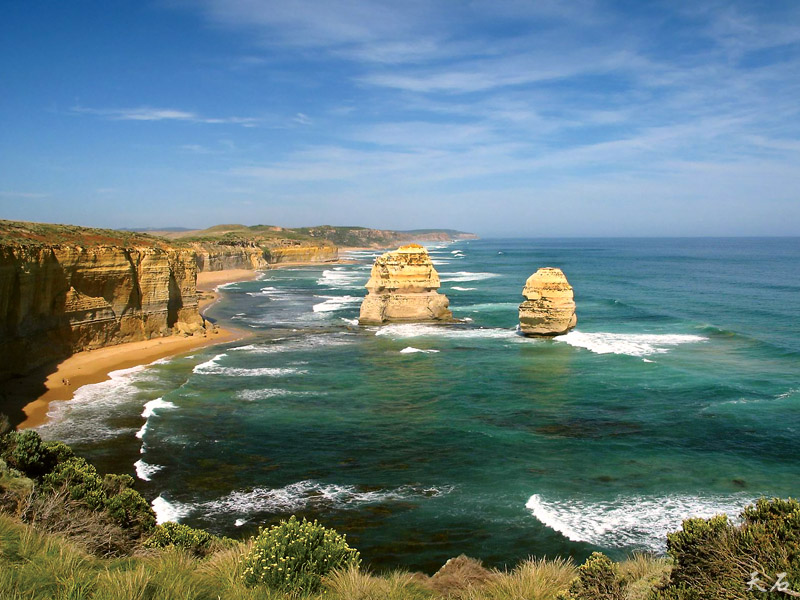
(539,118)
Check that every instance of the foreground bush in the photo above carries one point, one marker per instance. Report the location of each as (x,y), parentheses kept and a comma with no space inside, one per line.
(295,555)
(197,541)
(716,559)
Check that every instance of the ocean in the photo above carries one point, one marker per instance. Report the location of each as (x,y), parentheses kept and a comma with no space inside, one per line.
(677,395)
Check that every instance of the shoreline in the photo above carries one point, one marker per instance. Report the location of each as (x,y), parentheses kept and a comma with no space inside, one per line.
(94,366)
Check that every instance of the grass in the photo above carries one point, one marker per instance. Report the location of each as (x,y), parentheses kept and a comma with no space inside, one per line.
(43,566)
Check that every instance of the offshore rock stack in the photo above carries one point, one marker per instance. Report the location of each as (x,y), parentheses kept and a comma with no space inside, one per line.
(549,306)
(403,287)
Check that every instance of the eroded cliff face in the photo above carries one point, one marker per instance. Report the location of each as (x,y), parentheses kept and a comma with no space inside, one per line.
(402,287)
(232,255)
(59,299)
(302,253)
(222,256)
(549,306)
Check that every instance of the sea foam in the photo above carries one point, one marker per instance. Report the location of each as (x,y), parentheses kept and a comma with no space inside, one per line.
(145,471)
(333,303)
(460,276)
(399,331)
(629,522)
(212,367)
(632,344)
(412,350)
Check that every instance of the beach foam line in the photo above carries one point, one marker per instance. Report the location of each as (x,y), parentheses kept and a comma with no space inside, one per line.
(632,344)
(83,418)
(461,276)
(630,522)
(145,471)
(334,303)
(412,350)
(401,331)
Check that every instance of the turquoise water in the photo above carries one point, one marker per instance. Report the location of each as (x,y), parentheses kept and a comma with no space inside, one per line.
(678,394)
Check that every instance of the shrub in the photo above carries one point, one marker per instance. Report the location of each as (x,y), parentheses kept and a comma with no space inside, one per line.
(295,555)
(183,536)
(126,506)
(25,451)
(716,559)
(130,510)
(80,479)
(598,579)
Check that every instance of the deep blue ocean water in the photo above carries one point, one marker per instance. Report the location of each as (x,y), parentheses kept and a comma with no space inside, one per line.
(678,394)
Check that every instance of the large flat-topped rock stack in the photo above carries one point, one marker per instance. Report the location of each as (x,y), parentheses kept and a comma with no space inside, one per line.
(403,287)
(549,306)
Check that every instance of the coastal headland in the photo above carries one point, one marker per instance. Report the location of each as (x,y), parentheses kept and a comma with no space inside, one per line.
(78,303)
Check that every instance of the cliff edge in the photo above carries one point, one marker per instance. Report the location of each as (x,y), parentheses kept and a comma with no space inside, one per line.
(66,289)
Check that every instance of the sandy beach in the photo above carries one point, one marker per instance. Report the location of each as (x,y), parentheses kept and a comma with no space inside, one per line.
(93,366)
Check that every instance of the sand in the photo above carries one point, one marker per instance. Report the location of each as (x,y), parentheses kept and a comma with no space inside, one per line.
(93,366)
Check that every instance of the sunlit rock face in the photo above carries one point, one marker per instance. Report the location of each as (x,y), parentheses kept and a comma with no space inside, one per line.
(403,287)
(549,306)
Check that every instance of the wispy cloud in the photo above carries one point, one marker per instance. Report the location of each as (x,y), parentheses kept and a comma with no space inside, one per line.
(23,195)
(148,113)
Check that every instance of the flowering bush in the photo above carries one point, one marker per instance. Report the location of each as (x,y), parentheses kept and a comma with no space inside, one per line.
(295,556)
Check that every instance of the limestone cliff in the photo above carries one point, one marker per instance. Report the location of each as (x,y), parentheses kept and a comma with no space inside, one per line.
(549,307)
(83,291)
(402,287)
(302,252)
(258,254)
(222,256)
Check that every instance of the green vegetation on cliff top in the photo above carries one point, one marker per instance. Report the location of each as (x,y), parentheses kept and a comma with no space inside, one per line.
(42,234)
(48,234)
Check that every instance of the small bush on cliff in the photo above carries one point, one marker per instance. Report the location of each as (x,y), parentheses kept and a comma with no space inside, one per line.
(598,579)
(80,479)
(198,541)
(26,452)
(295,556)
(716,559)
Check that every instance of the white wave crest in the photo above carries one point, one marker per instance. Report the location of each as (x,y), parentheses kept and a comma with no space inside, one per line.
(264,394)
(212,367)
(169,511)
(302,494)
(639,522)
(462,289)
(154,405)
(342,279)
(632,344)
(460,276)
(334,303)
(412,350)
(399,331)
(145,471)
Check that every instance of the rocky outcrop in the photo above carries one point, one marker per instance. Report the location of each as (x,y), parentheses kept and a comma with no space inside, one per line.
(301,252)
(222,256)
(402,287)
(63,298)
(549,308)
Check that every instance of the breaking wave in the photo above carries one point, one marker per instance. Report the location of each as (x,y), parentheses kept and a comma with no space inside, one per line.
(632,344)
(638,521)
(460,276)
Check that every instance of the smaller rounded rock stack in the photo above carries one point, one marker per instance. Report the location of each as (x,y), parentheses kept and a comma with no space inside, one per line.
(549,308)
(402,287)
